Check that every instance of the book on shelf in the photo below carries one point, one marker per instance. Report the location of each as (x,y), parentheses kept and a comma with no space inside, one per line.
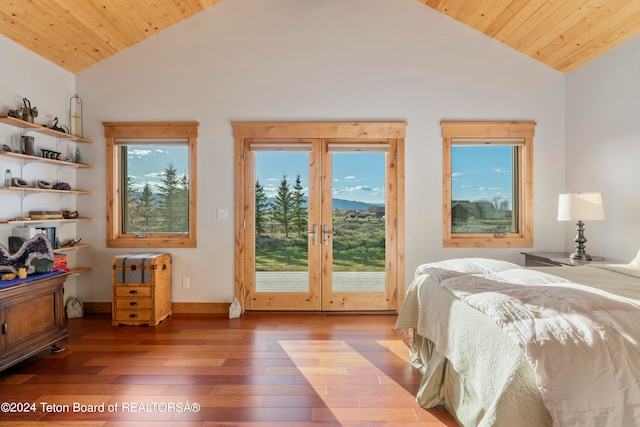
(45,214)
(60,263)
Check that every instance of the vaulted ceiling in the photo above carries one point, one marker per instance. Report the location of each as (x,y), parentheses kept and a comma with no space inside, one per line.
(76,34)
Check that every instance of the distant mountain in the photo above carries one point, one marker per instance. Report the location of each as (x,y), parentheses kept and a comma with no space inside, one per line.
(342,204)
(352,205)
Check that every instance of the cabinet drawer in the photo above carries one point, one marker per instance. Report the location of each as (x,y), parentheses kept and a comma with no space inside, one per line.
(133,291)
(133,303)
(133,315)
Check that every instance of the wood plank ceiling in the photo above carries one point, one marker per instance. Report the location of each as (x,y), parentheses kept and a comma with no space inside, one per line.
(76,34)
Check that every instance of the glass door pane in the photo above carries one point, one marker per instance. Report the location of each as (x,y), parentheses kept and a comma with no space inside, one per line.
(358,206)
(355,230)
(282,221)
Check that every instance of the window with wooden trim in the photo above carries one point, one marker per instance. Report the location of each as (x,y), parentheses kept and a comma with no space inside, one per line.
(488,184)
(151,184)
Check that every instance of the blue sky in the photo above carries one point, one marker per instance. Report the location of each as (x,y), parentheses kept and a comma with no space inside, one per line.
(478,173)
(481,172)
(356,176)
(147,164)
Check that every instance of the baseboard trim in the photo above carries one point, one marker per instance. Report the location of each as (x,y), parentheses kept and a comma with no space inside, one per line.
(96,307)
(201,307)
(178,307)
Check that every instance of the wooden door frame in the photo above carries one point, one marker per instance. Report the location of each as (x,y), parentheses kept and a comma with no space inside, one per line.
(313,130)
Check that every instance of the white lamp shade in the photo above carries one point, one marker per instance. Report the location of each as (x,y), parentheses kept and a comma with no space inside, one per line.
(580,207)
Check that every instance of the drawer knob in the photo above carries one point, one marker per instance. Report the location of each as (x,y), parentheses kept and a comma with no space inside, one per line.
(133,292)
(133,303)
(133,316)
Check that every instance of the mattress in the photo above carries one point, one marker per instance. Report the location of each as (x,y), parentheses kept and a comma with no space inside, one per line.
(469,362)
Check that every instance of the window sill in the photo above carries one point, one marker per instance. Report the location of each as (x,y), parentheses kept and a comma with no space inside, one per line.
(152,242)
(487,242)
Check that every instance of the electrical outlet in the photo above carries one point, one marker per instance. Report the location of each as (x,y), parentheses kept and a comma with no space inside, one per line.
(186,282)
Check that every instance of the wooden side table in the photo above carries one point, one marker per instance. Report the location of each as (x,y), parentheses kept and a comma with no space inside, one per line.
(559,259)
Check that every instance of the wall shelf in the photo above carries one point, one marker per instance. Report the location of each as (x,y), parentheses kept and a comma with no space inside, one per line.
(78,270)
(37,221)
(28,158)
(24,159)
(44,190)
(71,248)
(28,126)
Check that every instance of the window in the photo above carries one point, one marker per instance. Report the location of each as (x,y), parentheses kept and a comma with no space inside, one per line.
(151,179)
(488,184)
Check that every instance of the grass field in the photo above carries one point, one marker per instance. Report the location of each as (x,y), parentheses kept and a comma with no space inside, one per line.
(358,245)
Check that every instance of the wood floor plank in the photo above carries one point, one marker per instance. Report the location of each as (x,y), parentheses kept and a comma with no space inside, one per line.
(261,370)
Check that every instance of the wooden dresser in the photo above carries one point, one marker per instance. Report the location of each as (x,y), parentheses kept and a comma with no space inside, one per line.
(141,289)
(31,317)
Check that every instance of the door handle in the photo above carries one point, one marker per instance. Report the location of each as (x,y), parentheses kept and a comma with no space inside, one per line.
(326,233)
(314,231)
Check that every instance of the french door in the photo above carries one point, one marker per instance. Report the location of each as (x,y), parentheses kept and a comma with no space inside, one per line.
(318,213)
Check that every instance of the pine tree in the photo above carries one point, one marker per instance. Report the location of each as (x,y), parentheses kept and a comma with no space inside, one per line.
(282,205)
(174,213)
(261,209)
(131,212)
(298,205)
(146,211)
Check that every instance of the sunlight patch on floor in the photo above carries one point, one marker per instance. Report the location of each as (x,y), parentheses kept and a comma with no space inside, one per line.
(339,370)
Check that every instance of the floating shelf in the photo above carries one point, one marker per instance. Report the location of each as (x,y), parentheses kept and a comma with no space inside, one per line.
(28,158)
(42,129)
(71,248)
(45,190)
(35,221)
(78,270)
(25,191)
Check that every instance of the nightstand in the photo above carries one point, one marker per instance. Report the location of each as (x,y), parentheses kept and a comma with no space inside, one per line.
(559,259)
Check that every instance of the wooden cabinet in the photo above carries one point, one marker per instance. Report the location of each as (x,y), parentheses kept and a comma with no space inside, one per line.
(15,211)
(31,317)
(141,289)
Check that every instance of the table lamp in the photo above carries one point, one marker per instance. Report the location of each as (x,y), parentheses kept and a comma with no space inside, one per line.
(579,207)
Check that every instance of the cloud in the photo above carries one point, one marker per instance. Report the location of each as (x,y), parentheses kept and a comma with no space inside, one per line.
(138,153)
(357,188)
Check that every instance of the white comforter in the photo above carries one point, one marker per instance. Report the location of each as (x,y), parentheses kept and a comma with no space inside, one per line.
(583,343)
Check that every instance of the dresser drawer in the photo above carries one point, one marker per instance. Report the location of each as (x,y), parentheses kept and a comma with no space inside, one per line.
(132,291)
(133,315)
(133,303)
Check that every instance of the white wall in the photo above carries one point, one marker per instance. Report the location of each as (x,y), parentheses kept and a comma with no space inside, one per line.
(603,147)
(24,74)
(284,60)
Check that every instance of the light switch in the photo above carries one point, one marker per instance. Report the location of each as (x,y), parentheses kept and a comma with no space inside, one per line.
(222,214)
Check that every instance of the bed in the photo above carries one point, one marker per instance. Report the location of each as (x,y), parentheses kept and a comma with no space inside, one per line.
(503,345)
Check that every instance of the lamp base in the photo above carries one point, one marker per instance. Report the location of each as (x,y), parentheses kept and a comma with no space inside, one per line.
(580,240)
(580,257)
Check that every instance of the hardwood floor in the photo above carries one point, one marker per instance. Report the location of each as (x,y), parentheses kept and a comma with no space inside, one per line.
(263,369)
